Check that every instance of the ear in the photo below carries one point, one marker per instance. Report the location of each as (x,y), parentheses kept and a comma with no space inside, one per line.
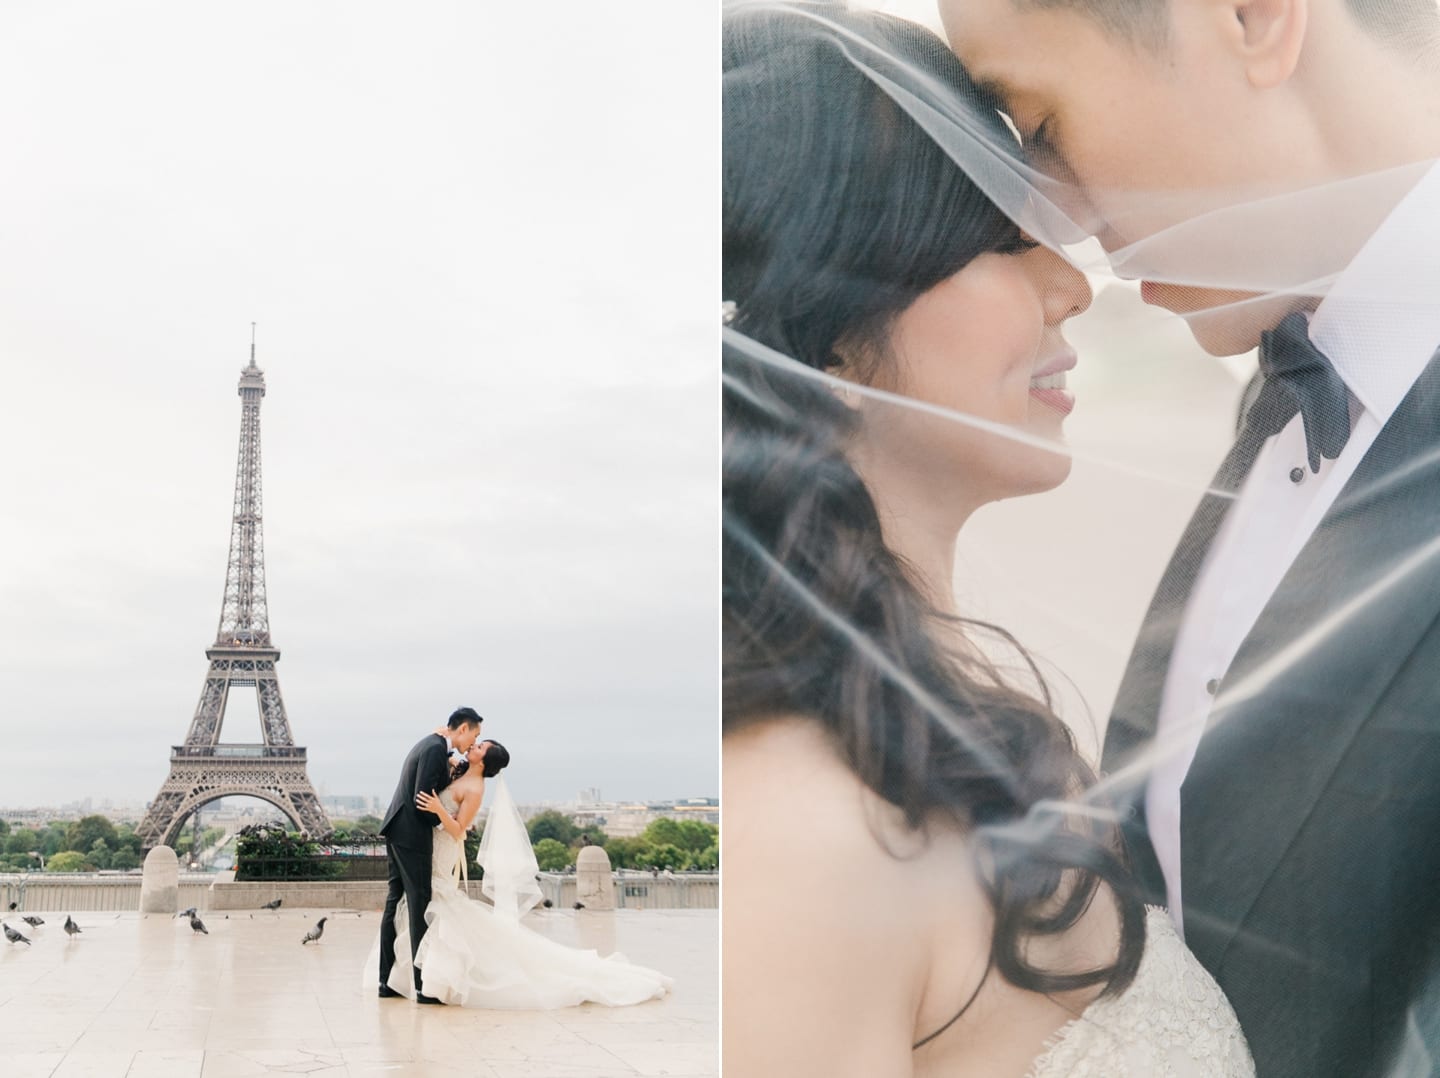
(846,373)
(1270,35)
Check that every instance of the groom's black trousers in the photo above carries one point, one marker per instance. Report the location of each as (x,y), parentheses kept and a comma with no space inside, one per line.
(410,879)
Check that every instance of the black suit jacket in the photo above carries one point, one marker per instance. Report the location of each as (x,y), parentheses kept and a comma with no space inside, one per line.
(1310,818)
(426,768)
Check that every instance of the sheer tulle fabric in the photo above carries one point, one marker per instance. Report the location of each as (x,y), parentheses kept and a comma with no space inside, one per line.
(1304,726)
(510,881)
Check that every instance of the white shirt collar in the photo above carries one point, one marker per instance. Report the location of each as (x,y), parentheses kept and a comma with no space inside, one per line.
(1380,323)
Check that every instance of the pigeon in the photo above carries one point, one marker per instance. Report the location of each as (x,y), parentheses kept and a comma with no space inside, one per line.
(547,904)
(198,925)
(14,906)
(13,936)
(579,905)
(33,922)
(71,928)
(273,905)
(315,933)
(187,913)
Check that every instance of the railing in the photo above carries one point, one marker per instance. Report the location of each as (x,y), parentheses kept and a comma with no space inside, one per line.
(637,890)
(90,892)
(75,892)
(249,752)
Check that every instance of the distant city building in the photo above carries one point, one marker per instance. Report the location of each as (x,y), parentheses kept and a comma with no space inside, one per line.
(350,806)
(617,819)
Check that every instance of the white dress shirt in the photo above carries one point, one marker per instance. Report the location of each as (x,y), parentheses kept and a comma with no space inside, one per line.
(1379,348)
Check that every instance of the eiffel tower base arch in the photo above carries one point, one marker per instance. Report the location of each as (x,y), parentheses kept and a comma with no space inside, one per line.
(271,773)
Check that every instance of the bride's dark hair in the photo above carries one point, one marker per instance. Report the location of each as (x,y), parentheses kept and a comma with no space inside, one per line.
(497,758)
(838,212)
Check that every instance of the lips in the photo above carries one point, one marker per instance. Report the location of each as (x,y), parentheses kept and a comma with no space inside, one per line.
(1056,364)
(1047,384)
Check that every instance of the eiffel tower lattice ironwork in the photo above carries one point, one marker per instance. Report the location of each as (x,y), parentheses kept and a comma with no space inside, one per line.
(204,769)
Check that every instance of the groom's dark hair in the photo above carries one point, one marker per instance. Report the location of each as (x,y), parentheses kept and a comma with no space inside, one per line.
(464,716)
(1147,22)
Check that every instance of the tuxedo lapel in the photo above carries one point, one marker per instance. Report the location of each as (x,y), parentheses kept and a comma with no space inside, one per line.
(1344,619)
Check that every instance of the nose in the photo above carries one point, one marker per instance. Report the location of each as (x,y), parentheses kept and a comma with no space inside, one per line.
(1066,290)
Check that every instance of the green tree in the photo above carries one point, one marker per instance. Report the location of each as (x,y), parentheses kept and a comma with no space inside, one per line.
(127,839)
(552,824)
(98,854)
(551,855)
(621,852)
(707,860)
(66,861)
(664,832)
(81,834)
(124,859)
(368,824)
(22,840)
(666,855)
(52,839)
(4,828)
(696,835)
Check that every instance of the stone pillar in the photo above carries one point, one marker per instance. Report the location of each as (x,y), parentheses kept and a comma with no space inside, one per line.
(594,882)
(160,883)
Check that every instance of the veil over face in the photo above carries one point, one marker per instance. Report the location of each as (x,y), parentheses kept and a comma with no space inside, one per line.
(1202,223)
(1183,218)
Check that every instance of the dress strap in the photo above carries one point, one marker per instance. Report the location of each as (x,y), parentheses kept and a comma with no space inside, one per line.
(956,1017)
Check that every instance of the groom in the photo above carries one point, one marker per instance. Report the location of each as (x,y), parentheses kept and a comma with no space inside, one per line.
(408,833)
(1282,704)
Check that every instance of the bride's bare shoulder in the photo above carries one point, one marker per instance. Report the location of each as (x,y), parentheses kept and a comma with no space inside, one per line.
(831,898)
(469,784)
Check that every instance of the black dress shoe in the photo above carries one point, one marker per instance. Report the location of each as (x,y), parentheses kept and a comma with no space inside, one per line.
(421,997)
(386,992)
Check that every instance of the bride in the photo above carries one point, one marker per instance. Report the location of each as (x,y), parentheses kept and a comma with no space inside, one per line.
(967,912)
(474,955)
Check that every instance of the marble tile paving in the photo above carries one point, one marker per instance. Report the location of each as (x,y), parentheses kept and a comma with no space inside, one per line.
(144,997)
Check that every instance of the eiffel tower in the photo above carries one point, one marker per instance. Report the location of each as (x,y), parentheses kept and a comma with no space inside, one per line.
(205,769)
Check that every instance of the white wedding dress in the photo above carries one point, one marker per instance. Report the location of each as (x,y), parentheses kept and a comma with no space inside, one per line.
(1172,1022)
(478,955)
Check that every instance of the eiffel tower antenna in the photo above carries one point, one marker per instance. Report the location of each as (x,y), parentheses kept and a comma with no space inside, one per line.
(205,769)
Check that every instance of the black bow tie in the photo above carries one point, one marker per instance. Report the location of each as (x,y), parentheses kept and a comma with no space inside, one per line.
(1299,378)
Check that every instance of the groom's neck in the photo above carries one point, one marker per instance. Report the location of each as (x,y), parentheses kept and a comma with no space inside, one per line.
(1374,104)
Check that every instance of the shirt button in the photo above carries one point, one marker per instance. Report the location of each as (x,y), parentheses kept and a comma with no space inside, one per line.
(1297,475)
(1212,686)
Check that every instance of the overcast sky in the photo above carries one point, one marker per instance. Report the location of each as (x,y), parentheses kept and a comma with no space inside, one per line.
(479,242)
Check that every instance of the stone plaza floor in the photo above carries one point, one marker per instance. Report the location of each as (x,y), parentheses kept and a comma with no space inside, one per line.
(140,996)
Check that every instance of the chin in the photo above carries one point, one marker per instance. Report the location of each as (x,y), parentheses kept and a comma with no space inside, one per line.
(1223,323)
(1222,334)
(1036,472)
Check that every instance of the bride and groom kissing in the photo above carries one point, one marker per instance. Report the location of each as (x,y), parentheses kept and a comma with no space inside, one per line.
(1269,767)
(436,945)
